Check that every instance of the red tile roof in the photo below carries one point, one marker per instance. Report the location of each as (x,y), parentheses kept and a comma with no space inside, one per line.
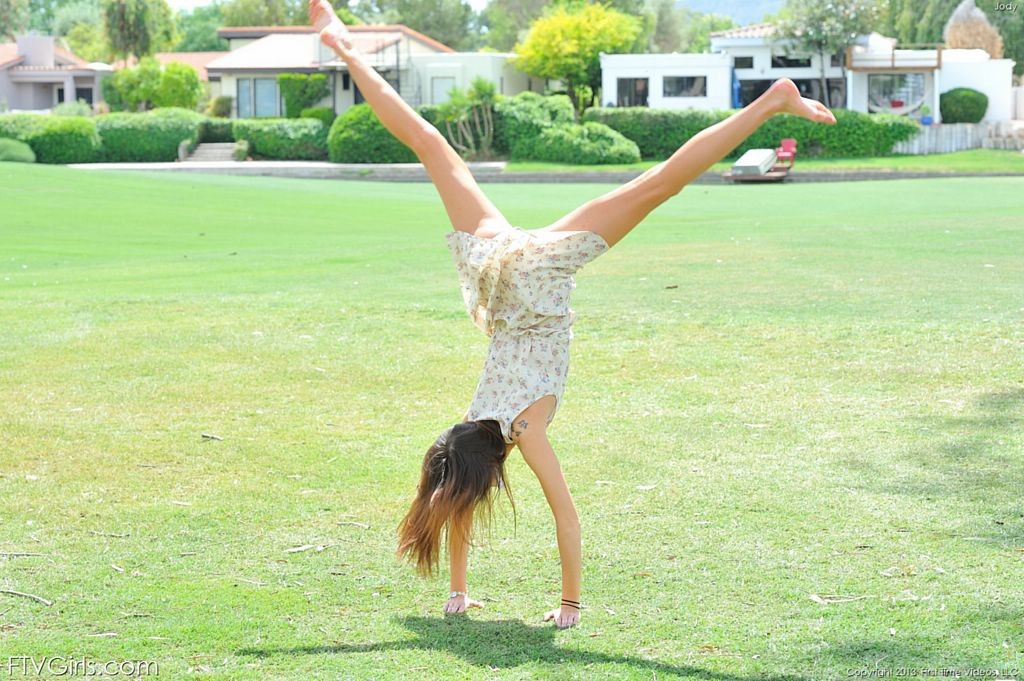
(751,31)
(9,54)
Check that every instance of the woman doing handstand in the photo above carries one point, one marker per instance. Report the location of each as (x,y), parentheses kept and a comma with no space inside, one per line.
(516,285)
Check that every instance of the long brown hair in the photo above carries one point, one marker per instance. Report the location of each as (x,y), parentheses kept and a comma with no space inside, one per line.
(459,477)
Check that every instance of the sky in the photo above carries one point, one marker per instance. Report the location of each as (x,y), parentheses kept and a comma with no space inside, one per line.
(192,4)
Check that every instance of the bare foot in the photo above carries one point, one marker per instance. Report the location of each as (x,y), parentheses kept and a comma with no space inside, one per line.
(461,604)
(786,97)
(332,30)
(565,616)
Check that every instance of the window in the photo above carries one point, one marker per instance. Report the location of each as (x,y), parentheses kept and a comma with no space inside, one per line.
(780,61)
(836,60)
(258,97)
(245,97)
(743,63)
(899,93)
(685,86)
(266,97)
(440,87)
(632,92)
(344,81)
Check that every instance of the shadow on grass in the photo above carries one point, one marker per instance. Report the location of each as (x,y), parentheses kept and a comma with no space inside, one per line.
(502,644)
(972,458)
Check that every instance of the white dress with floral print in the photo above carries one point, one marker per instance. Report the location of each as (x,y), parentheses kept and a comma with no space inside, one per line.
(516,287)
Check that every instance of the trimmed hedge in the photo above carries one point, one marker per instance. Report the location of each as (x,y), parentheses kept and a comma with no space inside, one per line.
(216,130)
(324,114)
(963,105)
(660,132)
(241,151)
(519,120)
(13,151)
(587,144)
(147,137)
(283,138)
(54,139)
(358,136)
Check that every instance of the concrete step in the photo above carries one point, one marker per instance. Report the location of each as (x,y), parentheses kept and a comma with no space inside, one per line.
(212,151)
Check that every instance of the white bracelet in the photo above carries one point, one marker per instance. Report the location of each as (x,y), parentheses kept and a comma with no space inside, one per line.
(457,593)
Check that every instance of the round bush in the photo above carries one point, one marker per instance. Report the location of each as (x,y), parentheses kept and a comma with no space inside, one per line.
(13,151)
(519,120)
(79,108)
(66,139)
(219,107)
(963,105)
(587,144)
(292,139)
(358,136)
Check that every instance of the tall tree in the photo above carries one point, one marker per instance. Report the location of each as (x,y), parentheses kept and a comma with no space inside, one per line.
(697,30)
(259,13)
(508,21)
(826,27)
(41,13)
(13,18)
(139,27)
(668,27)
(567,45)
(448,21)
(198,30)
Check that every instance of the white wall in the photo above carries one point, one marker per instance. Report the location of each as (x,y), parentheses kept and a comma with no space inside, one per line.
(973,69)
(714,67)
(464,67)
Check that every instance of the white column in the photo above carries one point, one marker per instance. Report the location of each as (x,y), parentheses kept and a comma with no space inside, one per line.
(69,89)
(936,116)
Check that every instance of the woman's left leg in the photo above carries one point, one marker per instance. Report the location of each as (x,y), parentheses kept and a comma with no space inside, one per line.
(614,214)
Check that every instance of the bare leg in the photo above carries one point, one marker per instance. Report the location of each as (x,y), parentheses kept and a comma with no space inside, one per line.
(614,214)
(468,207)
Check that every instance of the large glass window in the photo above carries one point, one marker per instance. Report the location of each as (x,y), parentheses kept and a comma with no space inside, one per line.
(783,61)
(743,63)
(685,86)
(266,97)
(898,93)
(245,97)
(632,92)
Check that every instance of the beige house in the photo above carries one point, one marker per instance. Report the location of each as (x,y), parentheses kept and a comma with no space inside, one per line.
(36,75)
(420,68)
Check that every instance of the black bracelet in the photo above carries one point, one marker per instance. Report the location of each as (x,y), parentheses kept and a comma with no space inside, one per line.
(575,604)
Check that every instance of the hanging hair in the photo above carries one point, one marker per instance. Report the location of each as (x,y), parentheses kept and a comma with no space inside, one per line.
(459,479)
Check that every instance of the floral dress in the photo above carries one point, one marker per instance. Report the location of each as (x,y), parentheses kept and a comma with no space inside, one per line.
(516,287)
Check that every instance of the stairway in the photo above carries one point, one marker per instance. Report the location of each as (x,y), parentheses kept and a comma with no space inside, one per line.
(210,151)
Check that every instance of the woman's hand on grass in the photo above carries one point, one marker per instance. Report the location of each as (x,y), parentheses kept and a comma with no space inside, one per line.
(461,604)
(564,616)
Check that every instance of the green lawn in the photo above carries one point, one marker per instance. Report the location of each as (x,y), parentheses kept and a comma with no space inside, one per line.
(973,161)
(794,430)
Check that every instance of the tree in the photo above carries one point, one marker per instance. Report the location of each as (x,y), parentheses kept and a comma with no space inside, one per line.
(697,30)
(198,30)
(41,14)
(567,46)
(508,21)
(826,27)
(448,21)
(139,27)
(133,89)
(89,41)
(13,18)
(179,85)
(258,13)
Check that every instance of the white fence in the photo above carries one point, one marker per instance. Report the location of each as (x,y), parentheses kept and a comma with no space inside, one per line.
(941,139)
(1017,103)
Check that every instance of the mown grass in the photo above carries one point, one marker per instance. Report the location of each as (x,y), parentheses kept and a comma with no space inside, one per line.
(779,397)
(972,161)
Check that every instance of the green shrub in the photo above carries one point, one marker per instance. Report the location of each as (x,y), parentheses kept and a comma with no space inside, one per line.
(147,137)
(660,132)
(300,91)
(358,136)
(283,138)
(179,85)
(216,130)
(324,114)
(79,108)
(587,144)
(13,151)
(518,121)
(54,139)
(220,107)
(241,150)
(963,105)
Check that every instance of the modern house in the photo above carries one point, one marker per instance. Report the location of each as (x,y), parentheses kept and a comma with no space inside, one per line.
(874,75)
(35,75)
(420,68)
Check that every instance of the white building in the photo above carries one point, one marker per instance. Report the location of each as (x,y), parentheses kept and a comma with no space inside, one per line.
(743,62)
(421,69)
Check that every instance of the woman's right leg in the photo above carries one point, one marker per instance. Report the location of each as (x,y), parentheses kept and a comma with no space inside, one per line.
(468,207)
(614,214)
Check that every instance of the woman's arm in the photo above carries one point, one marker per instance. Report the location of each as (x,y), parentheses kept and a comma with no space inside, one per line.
(540,457)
